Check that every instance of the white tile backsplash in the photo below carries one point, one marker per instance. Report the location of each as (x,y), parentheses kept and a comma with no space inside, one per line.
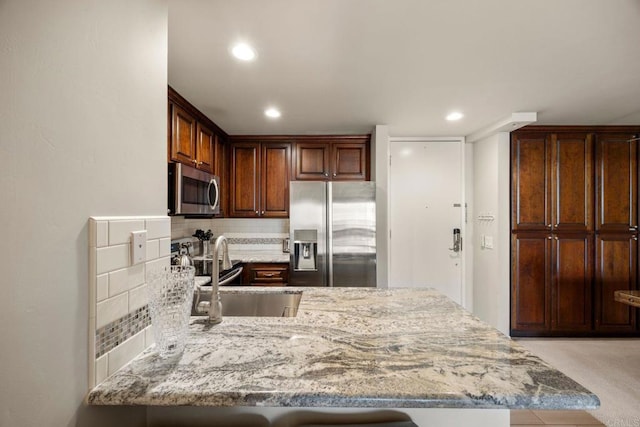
(112,309)
(153,249)
(120,231)
(231,227)
(125,352)
(149,339)
(164,247)
(101,368)
(156,264)
(102,287)
(118,290)
(158,228)
(125,279)
(99,234)
(112,258)
(138,297)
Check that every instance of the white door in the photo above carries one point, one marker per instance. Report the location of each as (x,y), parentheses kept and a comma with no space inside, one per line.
(426,198)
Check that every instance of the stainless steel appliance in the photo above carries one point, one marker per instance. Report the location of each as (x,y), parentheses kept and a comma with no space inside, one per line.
(192,191)
(332,228)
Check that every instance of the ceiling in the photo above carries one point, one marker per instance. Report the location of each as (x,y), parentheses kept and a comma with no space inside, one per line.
(343,66)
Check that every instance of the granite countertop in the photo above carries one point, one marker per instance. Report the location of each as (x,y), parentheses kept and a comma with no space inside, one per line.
(348,347)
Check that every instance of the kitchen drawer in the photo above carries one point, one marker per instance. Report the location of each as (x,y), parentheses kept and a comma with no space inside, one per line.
(266,274)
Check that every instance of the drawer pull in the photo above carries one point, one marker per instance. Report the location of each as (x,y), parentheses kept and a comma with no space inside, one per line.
(268,274)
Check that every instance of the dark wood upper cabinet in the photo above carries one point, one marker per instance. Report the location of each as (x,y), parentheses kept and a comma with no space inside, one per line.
(349,161)
(205,148)
(616,269)
(183,136)
(332,158)
(616,183)
(275,176)
(245,185)
(222,169)
(312,161)
(572,182)
(552,182)
(530,182)
(260,175)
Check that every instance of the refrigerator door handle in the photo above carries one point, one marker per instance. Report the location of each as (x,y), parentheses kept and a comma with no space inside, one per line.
(329,250)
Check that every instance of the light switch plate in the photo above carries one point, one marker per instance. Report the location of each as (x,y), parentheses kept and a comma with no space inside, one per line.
(138,246)
(488,242)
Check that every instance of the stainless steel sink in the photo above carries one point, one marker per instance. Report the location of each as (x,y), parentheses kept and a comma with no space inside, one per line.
(264,304)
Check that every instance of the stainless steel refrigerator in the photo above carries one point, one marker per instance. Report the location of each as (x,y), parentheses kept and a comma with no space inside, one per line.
(332,227)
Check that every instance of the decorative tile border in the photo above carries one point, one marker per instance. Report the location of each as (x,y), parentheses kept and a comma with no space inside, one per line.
(254,241)
(115,333)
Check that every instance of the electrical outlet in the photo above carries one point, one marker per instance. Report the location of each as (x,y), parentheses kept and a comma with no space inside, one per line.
(138,246)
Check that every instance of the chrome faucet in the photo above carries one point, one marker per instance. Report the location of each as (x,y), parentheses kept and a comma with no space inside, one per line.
(214,307)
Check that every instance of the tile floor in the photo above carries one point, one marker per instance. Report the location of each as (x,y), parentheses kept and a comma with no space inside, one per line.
(527,418)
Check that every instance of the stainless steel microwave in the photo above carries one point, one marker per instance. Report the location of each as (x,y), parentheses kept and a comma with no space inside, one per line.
(192,191)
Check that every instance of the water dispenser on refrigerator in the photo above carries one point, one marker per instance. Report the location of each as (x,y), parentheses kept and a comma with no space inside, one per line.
(305,246)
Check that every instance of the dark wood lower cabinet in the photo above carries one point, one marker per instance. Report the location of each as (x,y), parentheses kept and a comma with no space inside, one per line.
(530,283)
(571,283)
(265,274)
(564,284)
(616,270)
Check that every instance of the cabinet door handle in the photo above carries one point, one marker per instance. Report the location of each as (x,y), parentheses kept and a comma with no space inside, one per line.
(335,174)
(326,174)
(257,212)
(262,213)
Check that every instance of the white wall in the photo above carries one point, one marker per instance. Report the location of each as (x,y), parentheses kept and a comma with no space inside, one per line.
(82,133)
(630,119)
(380,174)
(467,238)
(491,177)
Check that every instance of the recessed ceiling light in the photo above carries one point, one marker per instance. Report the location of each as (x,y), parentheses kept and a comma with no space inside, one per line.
(243,52)
(455,116)
(272,113)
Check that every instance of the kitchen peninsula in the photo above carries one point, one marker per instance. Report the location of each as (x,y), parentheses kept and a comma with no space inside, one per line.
(348,348)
